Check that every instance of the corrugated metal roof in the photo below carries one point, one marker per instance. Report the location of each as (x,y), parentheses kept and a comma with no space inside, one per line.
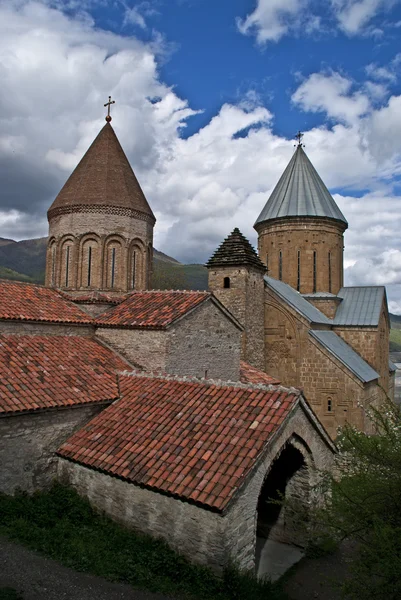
(299,303)
(319,295)
(360,306)
(300,192)
(341,350)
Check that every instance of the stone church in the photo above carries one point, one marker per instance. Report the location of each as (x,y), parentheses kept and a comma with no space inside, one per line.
(181,413)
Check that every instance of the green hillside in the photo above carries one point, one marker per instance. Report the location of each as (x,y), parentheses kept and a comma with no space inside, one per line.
(25,261)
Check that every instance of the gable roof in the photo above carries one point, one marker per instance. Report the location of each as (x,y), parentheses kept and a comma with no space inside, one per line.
(39,372)
(194,440)
(345,354)
(360,306)
(235,250)
(296,300)
(30,302)
(250,374)
(103,178)
(300,192)
(152,309)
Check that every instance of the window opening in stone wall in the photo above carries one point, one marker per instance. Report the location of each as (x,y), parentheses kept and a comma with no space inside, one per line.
(67,265)
(133,269)
(54,264)
(226,282)
(299,271)
(329,405)
(89,265)
(280,265)
(314,271)
(267,264)
(329,257)
(113,266)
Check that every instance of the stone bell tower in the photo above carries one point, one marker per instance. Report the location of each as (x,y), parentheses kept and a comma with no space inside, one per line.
(236,279)
(301,230)
(100,224)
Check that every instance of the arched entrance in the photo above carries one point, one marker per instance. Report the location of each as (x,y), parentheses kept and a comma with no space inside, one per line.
(279,538)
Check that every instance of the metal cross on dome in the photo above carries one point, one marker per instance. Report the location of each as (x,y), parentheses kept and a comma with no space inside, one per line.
(108,104)
(299,137)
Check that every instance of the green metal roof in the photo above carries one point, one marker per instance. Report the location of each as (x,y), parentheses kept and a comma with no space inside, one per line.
(300,192)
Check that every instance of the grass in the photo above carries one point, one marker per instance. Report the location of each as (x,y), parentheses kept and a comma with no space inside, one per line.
(395,340)
(63,526)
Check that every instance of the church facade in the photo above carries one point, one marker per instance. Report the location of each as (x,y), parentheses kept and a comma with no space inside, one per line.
(181,413)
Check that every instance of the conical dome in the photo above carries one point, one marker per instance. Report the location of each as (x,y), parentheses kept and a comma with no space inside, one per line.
(300,192)
(235,250)
(103,178)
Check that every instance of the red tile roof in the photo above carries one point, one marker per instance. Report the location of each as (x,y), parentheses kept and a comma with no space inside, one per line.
(40,372)
(194,440)
(30,302)
(153,309)
(249,374)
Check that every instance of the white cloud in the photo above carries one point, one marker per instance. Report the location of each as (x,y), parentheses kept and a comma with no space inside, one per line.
(272,19)
(354,15)
(58,71)
(332,95)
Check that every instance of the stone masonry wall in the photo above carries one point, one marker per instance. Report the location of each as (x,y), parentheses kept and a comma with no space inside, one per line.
(327,306)
(306,235)
(28,443)
(144,349)
(295,358)
(205,343)
(244,299)
(192,531)
(102,231)
(203,536)
(241,517)
(23,328)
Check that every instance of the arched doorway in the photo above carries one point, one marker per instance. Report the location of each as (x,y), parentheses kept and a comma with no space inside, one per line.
(279,538)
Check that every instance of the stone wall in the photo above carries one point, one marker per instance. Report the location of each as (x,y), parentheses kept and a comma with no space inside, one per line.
(203,536)
(28,443)
(101,229)
(328,306)
(241,517)
(25,328)
(295,358)
(244,299)
(143,348)
(192,531)
(205,343)
(289,236)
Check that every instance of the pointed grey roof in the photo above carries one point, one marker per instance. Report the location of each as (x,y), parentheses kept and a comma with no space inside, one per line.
(300,192)
(235,250)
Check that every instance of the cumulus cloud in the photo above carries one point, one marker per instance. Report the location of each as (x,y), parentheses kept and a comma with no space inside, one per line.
(354,15)
(272,19)
(57,71)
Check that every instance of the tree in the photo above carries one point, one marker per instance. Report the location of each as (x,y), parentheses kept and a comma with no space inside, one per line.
(364,505)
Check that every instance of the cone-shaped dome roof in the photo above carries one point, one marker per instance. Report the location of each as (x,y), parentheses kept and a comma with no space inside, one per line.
(104,178)
(300,192)
(235,250)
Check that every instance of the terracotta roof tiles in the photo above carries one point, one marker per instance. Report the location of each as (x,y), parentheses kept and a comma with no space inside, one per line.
(249,374)
(39,372)
(194,440)
(152,309)
(30,302)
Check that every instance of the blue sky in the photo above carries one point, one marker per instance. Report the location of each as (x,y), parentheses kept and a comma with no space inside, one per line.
(209,95)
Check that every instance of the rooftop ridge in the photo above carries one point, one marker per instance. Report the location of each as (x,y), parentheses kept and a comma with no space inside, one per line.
(290,391)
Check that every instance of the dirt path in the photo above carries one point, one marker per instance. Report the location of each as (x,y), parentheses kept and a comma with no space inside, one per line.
(40,578)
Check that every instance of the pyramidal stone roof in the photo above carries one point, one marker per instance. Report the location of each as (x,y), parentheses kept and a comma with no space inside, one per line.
(103,178)
(300,192)
(235,250)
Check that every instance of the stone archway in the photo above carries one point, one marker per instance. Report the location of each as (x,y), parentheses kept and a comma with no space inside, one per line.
(279,538)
